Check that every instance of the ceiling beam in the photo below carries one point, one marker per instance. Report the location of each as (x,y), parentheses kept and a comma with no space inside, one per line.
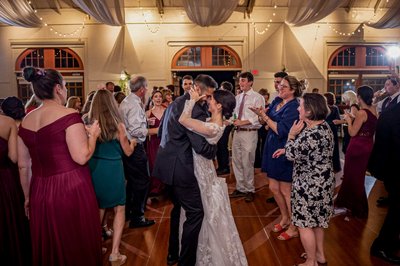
(377,4)
(250,6)
(55,5)
(160,6)
(350,5)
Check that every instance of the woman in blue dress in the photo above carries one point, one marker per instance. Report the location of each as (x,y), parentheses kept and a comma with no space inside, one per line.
(281,115)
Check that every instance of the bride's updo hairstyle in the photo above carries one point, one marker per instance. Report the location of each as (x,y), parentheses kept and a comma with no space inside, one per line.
(43,81)
(227,100)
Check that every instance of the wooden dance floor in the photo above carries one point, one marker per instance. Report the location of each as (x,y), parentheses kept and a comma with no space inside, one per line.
(347,241)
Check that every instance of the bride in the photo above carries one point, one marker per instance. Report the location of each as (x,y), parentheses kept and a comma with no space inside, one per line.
(219,242)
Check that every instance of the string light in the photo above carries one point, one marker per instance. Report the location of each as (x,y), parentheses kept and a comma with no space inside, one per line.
(156,28)
(268,23)
(58,33)
(349,33)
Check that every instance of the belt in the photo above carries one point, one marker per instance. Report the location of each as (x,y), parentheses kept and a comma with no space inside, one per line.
(246,129)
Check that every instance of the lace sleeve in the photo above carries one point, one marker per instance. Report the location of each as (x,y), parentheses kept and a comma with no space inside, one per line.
(215,132)
(187,110)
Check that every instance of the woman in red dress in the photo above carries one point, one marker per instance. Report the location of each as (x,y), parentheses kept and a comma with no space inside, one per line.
(154,116)
(14,227)
(59,196)
(352,195)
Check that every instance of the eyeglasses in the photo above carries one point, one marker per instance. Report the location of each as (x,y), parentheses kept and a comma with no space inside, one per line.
(283,86)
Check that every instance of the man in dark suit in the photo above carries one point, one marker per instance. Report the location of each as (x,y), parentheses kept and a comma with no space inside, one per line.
(174,167)
(383,164)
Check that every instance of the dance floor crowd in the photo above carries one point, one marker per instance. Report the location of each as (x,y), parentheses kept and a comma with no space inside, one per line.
(67,169)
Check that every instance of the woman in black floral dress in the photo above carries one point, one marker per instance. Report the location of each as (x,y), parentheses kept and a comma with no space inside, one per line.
(311,149)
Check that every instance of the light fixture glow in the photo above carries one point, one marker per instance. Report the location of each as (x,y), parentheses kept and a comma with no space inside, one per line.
(393,52)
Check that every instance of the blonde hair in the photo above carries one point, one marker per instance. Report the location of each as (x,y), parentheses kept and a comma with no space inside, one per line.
(104,109)
(349,97)
(72,101)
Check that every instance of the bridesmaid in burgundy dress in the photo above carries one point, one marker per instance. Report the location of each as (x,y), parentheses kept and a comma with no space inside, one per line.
(154,116)
(352,193)
(59,196)
(14,227)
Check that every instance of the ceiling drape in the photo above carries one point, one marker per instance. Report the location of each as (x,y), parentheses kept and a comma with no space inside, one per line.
(18,13)
(304,12)
(209,12)
(390,20)
(109,12)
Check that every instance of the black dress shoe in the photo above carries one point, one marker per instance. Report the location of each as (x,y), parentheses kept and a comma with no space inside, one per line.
(382,201)
(380,253)
(172,260)
(249,197)
(223,171)
(237,194)
(142,222)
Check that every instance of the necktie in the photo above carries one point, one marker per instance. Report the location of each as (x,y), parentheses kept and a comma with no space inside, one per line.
(388,103)
(241,107)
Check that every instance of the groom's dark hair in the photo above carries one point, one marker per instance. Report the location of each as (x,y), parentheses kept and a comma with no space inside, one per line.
(205,81)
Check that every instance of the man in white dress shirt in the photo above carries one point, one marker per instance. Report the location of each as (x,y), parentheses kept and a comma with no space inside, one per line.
(136,166)
(244,141)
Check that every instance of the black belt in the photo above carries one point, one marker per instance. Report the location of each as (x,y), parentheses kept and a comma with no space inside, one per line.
(246,129)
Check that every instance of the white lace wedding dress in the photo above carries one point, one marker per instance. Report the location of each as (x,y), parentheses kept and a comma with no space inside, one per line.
(219,243)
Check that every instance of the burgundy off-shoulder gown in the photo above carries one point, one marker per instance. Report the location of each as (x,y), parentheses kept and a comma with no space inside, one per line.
(64,217)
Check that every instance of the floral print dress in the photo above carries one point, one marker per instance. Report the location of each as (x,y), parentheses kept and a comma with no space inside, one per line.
(313,177)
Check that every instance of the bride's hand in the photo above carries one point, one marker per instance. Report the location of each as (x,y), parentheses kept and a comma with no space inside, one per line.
(194,95)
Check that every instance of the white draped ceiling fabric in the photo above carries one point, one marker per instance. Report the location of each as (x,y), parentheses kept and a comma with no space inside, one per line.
(18,13)
(209,12)
(109,12)
(390,20)
(305,12)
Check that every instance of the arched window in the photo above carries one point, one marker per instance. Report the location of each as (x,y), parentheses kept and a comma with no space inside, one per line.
(206,57)
(64,60)
(353,66)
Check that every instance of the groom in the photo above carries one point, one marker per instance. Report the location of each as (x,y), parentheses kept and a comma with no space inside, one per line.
(174,167)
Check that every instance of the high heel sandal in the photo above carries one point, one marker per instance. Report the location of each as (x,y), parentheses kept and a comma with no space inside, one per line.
(117,259)
(304,256)
(278,227)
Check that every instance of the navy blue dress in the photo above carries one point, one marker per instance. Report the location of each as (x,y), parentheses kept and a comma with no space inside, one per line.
(280,168)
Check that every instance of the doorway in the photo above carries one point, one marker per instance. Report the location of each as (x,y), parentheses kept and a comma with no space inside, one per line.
(219,77)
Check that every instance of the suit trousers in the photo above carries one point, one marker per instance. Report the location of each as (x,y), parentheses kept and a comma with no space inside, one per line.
(244,145)
(138,182)
(388,238)
(189,199)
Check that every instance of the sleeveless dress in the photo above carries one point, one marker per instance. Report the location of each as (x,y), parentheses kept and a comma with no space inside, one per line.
(64,216)
(14,227)
(280,168)
(108,176)
(219,243)
(352,193)
(156,186)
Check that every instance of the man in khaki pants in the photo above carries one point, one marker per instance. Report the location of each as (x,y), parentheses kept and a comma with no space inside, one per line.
(244,141)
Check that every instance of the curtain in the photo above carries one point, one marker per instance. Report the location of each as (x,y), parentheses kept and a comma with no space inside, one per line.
(110,12)
(304,12)
(209,12)
(390,20)
(18,13)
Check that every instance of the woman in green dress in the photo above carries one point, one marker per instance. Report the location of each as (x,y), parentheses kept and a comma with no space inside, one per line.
(106,165)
